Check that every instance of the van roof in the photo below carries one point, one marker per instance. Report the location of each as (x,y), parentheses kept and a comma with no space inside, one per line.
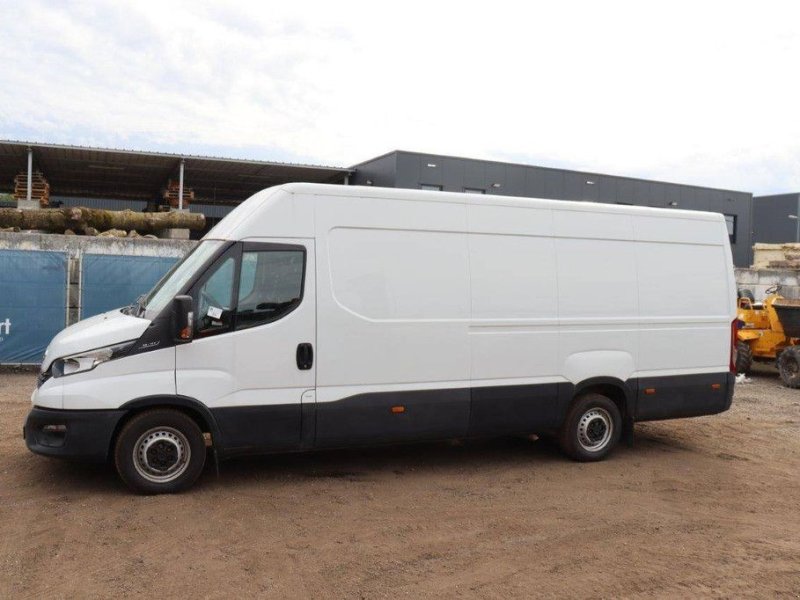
(491,200)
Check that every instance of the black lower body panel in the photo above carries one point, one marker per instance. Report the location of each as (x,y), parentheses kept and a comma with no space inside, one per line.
(79,434)
(679,396)
(386,417)
(516,409)
(408,416)
(259,429)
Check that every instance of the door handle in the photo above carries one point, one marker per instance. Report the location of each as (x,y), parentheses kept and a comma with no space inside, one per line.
(305,356)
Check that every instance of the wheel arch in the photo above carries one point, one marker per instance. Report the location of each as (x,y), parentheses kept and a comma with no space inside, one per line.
(194,409)
(622,393)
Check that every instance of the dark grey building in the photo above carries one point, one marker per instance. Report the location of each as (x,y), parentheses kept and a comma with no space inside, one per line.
(776,219)
(427,171)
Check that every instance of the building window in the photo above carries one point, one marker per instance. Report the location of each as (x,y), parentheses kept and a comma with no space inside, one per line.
(430,188)
(730,221)
(474,191)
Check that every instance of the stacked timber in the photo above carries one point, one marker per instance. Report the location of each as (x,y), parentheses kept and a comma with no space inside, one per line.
(91,221)
(776,256)
(170,194)
(40,189)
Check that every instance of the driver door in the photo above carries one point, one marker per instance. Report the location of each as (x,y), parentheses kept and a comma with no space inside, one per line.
(252,357)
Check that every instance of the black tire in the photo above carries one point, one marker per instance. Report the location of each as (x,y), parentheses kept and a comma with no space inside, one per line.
(171,452)
(789,366)
(744,357)
(588,422)
(745,293)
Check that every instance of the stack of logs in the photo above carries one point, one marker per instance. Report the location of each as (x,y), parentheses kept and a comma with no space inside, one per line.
(172,191)
(93,221)
(40,189)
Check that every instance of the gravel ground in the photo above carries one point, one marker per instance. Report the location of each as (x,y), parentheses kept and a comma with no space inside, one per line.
(698,507)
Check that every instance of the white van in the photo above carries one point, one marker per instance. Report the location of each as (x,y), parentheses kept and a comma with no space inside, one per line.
(320,316)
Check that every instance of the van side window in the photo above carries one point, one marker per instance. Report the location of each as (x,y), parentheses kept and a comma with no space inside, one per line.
(214,299)
(270,286)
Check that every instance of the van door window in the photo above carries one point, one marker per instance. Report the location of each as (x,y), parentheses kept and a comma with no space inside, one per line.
(214,299)
(270,285)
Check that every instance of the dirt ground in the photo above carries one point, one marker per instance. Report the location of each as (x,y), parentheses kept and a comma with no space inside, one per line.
(699,507)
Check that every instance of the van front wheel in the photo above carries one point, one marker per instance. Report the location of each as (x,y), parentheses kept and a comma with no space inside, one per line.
(592,428)
(160,451)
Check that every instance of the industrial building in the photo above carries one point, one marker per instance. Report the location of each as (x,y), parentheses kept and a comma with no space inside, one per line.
(117,179)
(776,219)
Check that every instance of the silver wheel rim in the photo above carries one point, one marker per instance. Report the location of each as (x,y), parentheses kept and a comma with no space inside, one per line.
(595,429)
(161,454)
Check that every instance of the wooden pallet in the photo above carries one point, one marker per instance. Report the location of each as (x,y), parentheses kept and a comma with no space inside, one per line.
(40,189)
(170,194)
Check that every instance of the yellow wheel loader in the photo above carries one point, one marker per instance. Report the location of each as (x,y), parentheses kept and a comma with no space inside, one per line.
(769,331)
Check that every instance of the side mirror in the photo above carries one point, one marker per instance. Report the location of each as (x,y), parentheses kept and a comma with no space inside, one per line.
(182,319)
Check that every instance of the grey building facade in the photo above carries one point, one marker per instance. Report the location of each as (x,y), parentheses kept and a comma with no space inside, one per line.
(776,219)
(415,170)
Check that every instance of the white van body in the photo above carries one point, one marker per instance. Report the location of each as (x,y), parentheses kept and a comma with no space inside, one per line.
(421,315)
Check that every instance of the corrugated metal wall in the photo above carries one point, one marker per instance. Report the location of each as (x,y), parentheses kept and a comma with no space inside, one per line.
(33,303)
(102,203)
(109,281)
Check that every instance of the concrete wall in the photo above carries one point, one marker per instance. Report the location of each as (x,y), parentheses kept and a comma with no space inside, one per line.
(96,245)
(759,280)
(453,174)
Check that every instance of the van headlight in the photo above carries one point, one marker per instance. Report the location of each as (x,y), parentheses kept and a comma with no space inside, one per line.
(86,361)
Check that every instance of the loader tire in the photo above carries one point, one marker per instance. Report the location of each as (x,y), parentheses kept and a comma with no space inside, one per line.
(744,357)
(789,367)
(745,293)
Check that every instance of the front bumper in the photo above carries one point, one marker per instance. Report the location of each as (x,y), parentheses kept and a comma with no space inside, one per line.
(74,434)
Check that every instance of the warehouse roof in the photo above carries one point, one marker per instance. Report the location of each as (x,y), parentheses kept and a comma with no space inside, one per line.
(131,174)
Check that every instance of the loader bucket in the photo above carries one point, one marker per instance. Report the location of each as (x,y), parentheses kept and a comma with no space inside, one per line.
(788,312)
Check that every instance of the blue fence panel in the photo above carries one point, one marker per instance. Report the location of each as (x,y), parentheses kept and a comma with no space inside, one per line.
(109,281)
(33,300)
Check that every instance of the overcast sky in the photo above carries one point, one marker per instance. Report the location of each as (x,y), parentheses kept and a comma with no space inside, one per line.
(695,92)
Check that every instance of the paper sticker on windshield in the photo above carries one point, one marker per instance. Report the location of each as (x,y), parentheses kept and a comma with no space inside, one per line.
(214,312)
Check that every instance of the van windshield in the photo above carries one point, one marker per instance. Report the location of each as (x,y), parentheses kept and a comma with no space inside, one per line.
(176,278)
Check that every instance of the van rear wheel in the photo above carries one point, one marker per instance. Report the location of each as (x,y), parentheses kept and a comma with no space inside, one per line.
(160,451)
(592,428)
